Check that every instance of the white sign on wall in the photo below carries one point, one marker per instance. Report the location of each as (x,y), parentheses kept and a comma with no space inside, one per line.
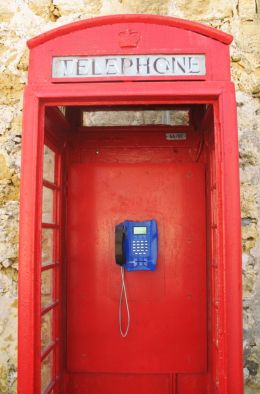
(128,65)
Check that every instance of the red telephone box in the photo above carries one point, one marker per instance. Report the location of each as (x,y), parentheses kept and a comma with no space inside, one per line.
(81,176)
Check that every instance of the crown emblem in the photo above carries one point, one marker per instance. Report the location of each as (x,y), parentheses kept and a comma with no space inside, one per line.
(128,38)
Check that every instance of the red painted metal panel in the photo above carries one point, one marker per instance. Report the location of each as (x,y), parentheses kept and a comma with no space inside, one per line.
(168,331)
(192,384)
(119,384)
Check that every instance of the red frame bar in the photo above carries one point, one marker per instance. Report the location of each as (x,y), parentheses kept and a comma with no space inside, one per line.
(47,350)
(50,185)
(221,95)
(56,267)
(232,267)
(30,212)
(50,225)
(49,266)
(49,307)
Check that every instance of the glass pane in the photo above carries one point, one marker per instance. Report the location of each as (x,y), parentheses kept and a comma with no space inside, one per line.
(47,287)
(62,110)
(46,329)
(47,205)
(48,164)
(46,371)
(128,118)
(47,246)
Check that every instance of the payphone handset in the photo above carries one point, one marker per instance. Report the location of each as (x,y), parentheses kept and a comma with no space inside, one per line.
(136,245)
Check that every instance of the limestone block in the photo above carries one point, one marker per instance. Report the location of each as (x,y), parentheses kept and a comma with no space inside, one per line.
(9,183)
(8,334)
(245,261)
(255,252)
(247,9)
(41,8)
(16,124)
(11,88)
(250,175)
(246,373)
(248,120)
(9,190)
(146,6)
(54,13)
(113,7)
(10,136)
(249,278)
(7,10)
(5,172)
(22,25)
(83,7)
(249,152)
(249,37)
(11,149)
(249,236)
(6,116)
(247,317)
(26,24)
(8,233)
(204,10)
(248,201)
(244,67)
(244,75)
(8,287)
(251,390)
(250,231)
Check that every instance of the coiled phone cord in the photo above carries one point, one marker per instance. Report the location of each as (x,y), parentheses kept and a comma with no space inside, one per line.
(123,294)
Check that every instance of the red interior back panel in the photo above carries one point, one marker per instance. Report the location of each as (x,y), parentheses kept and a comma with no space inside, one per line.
(138,178)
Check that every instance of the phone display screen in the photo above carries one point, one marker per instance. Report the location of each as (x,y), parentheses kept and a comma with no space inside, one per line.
(140,230)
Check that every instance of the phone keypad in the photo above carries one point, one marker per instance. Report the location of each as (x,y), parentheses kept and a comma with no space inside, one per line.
(140,247)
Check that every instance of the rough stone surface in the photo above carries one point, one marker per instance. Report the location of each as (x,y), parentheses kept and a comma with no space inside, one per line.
(205,10)
(23,19)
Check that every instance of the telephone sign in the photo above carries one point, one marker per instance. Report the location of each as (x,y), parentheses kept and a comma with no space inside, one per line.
(128,65)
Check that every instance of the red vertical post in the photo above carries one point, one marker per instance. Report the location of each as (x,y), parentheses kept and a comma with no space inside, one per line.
(232,243)
(29,305)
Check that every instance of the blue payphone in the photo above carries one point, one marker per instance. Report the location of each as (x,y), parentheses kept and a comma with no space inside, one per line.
(137,245)
(136,249)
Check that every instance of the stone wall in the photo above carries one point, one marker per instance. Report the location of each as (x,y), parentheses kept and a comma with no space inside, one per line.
(23,19)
